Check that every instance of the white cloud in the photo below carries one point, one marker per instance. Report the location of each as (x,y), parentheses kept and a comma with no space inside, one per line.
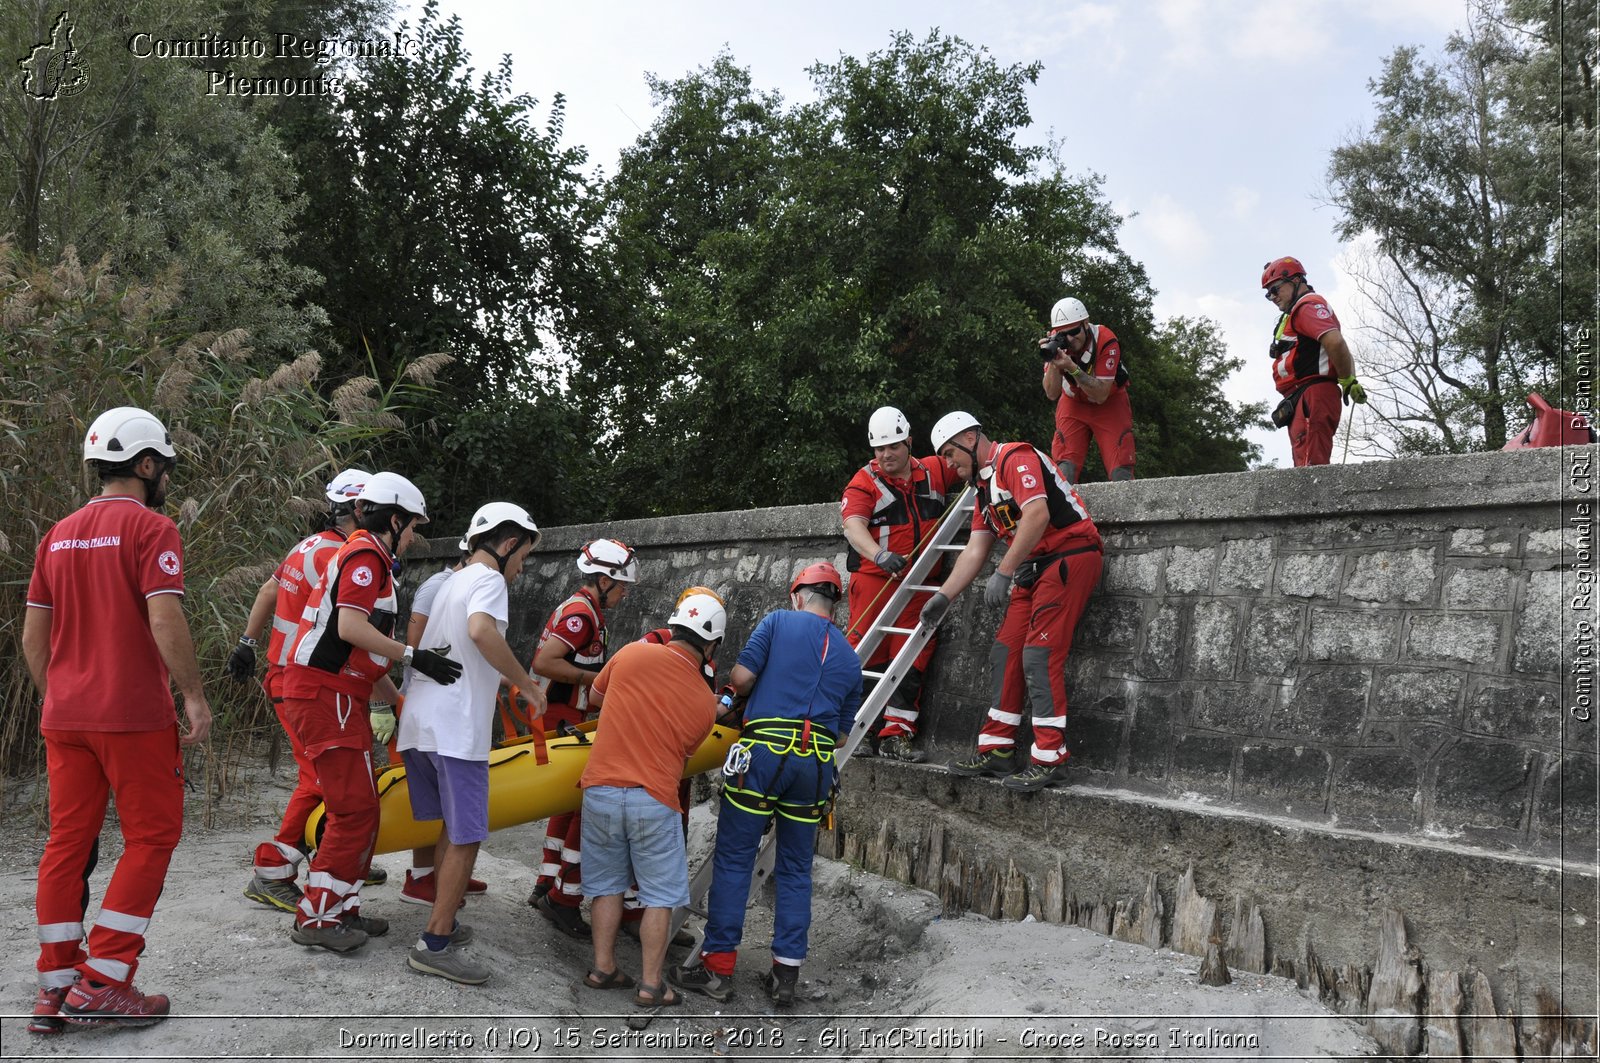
(1170,226)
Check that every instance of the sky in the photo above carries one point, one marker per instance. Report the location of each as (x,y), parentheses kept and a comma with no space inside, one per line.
(1211,121)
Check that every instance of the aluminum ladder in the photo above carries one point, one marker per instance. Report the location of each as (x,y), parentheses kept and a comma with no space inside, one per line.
(956,518)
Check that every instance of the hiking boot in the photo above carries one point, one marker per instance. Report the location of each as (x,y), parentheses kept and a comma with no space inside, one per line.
(425,889)
(994,762)
(335,937)
(374,926)
(780,983)
(699,979)
(1036,777)
(538,893)
(280,893)
(376,876)
(47,1010)
(566,918)
(113,1005)
(898,747)
(449,962)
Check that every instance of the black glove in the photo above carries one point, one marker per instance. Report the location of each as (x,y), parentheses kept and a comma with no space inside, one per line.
(242,663)
(436,666)
(889,561)
(934,608)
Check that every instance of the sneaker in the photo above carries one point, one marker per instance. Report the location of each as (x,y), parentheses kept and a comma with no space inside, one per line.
(280,893)
(449,962)
(994,762)
(374,926)
(113,1005)
(376,876)
(47,1010)
(1036,777)
(780,983)
(700,980)
(462,934)
(898,747)
(423,890)
(567,918)
(335,938)
(476,887)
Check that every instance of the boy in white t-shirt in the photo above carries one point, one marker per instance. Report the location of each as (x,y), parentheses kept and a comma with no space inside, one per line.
(444,735)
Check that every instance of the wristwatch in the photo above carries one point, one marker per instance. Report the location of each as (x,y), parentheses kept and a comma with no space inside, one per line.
(405,658)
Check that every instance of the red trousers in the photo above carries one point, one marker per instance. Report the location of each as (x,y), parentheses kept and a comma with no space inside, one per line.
(1111,424)
(1028,661)
(144,771)
(343,767)
(280,858)
(868,594)
(1316,419)
(561,870)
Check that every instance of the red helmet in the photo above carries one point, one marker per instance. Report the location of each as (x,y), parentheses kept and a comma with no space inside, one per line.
(1281,269)
(823,573)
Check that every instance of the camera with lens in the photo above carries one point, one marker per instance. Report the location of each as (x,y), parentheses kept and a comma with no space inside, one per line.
(1053,346)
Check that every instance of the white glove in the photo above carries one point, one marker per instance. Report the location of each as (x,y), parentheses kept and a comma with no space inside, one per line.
(382,723)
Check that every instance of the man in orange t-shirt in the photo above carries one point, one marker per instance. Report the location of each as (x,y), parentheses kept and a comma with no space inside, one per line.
(658,710)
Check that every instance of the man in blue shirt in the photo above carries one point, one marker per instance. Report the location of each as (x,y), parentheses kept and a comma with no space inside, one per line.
(804,685)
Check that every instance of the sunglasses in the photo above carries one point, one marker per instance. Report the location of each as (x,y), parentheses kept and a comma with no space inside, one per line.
(1071,333)
(1272,289)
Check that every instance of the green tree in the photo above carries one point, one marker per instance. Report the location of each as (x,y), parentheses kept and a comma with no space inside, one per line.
(784,270)
(1464,181)
(134,160)
(443,216)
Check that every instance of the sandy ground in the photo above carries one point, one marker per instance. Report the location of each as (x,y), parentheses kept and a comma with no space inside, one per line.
(887,978)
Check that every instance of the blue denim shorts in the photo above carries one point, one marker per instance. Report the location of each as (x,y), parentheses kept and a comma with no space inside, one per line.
(630,838)
(456,791)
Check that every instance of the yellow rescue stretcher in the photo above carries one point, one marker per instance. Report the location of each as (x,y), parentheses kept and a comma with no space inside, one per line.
(530,778)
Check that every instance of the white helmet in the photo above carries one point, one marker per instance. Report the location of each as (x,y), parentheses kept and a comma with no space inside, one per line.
(887,425)
(122,434)
(392,489)
(346,487)
(702,614)
(609,557)
(951,425)
(491,515)
(1068,311)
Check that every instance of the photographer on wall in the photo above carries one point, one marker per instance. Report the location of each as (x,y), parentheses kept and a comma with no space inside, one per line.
(1085,377)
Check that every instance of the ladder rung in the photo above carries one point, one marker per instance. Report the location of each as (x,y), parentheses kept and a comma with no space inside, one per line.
(898,630)
(950,546)
(921,586)
(871,674)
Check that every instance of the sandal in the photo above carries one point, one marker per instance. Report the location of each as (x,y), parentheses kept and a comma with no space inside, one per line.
(657,996)
(617,979)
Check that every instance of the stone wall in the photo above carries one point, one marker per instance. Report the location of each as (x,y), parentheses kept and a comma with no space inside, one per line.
(1343,670)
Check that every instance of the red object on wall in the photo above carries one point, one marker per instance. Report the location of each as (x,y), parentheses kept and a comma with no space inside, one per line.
(1551,428)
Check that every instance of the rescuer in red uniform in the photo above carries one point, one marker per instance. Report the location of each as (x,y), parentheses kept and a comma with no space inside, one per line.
(891,507)
(1051,565)
(1311,364)
(1084,374)
(570,654)
(102,635)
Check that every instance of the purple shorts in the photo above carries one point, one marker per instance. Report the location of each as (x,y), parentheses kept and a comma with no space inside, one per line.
(456,791)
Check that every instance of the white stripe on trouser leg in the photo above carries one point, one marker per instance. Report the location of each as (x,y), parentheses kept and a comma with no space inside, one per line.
(276,872)
(114,970)
(58,979)
(1012,718)
(987,742)
(50,933)
(128,924)
(572,889)
(290,853)
(899,715)
(1048,756)
(552,844)
(321,880)
(571,856)
(787,961)
(1049,721)
(548,869)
